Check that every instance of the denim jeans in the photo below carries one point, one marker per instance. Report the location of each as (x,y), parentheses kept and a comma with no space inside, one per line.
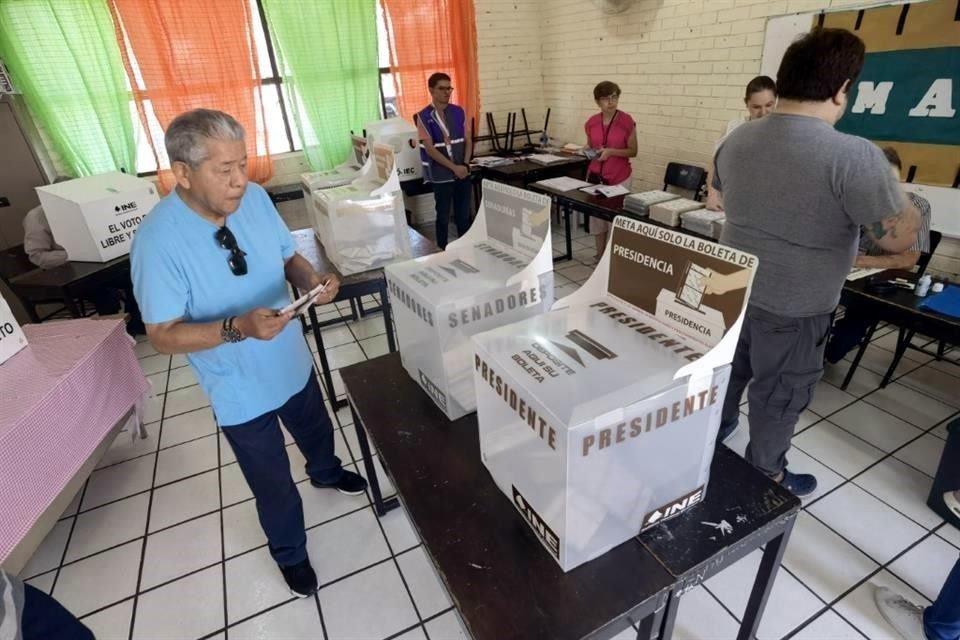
(262,456)
(457,194)
(941,620)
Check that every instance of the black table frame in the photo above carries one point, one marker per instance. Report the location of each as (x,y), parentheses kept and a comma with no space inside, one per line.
(772,537)
(69,282)
(900,309)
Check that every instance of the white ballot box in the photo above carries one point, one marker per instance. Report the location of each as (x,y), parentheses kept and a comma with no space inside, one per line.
(499,272)
(598,419)
(95,217)
(12,339)
(363,225)
(402,137)
(344,173)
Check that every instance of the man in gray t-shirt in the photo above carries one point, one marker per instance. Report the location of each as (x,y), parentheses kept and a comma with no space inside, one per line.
(796,193)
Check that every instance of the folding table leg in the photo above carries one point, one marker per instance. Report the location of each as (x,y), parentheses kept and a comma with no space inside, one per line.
(766,575)
(380,505)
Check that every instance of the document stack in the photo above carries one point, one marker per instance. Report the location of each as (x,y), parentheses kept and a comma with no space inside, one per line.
(640,203)
(669,213)
(704,221)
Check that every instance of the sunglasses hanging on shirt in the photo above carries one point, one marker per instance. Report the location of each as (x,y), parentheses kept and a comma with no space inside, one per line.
(237,262)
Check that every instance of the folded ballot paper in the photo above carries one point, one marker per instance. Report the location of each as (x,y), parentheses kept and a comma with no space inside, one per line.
(363,225)
(598,419)
(501,271)
(704,221)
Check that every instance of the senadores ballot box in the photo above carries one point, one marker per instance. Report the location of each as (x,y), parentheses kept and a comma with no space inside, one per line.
(598,419)
(499,272)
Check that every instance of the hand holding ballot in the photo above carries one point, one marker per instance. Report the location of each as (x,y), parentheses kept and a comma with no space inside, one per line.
(719,284)
(262,323)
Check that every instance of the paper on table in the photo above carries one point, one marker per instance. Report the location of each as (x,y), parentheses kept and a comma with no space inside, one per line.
(545,158)
(609,191)
(563,183)
(857,273)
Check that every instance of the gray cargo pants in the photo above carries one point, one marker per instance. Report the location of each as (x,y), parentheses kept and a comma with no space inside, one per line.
(782,360)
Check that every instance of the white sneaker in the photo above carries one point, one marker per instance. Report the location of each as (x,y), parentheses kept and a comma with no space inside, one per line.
(950,499)
(900,613)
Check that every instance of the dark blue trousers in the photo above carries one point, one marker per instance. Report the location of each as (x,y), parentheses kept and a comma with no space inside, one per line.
(456,194)
(941,621)
(258,445)
(45,619)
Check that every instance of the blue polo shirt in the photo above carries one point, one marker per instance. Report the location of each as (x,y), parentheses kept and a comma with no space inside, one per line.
(180,271)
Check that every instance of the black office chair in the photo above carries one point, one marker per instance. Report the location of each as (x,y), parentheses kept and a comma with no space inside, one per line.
(686,176)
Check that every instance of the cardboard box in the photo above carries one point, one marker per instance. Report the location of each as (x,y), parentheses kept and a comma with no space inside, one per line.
(95,218)
(402,137)
(363,225)
(598,419)
(501,271)
(669,212)
(12,339)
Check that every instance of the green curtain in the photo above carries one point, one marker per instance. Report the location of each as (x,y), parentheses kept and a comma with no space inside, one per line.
(63,56)
(327,54)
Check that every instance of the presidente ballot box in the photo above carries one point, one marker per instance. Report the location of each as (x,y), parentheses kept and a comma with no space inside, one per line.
(598,419)
(363,225)
(500,271)
(12,339)
(94,218)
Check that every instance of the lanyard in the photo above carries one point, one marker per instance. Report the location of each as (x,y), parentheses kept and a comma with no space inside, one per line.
(445,131)
(606,130)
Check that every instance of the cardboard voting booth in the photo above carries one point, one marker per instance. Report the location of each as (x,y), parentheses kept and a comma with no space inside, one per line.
(95,217)
(401,136)
(499,272)
(363,225)
(598,419)
(12,339)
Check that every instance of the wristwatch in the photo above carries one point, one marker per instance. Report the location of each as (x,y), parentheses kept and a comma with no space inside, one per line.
(228,332)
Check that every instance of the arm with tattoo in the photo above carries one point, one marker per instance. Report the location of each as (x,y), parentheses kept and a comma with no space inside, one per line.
(896,233)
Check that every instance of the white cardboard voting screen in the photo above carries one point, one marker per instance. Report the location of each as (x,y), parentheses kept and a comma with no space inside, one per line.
(363,225)
(499,272)
(95,217)
(12,339)
(598,419)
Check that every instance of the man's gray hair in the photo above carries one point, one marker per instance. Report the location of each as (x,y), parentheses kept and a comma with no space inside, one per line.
(186,137)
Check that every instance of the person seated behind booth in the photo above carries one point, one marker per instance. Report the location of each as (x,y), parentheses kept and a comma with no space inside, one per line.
(211,263)
(612,134)
(850,330)
(44,252)
(760,99)
(446,146)
(796,192)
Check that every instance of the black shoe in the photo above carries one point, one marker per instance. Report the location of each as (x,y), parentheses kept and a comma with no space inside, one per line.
(350,484)
(301,579)
(799,484)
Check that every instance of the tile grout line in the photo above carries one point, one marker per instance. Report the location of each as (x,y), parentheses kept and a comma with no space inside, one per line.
(223,534)
(146,526)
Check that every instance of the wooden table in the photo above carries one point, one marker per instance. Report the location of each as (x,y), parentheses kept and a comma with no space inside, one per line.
(352,289)
(900,308)
(503,582)
(70,281)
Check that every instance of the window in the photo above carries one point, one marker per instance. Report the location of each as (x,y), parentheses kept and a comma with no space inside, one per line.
(282,135)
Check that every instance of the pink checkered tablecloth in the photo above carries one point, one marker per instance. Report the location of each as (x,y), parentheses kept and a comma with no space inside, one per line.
(59,397)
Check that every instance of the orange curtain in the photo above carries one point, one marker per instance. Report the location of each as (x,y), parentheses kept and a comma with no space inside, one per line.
(427,36)
(186,54)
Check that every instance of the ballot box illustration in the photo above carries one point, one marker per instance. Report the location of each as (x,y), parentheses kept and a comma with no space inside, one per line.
(598,419)
(499,272)
(363,225)
(95,217)
(12,339)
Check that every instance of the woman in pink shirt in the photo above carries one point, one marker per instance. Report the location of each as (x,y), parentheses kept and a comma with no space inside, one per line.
(613,135)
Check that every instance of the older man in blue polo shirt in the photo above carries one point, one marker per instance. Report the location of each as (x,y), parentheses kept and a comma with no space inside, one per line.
(210,270)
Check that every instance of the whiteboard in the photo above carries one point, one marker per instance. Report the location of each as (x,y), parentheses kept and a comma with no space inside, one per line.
(944,208)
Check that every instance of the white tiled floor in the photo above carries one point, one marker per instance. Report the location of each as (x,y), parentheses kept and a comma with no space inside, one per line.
(167,542)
